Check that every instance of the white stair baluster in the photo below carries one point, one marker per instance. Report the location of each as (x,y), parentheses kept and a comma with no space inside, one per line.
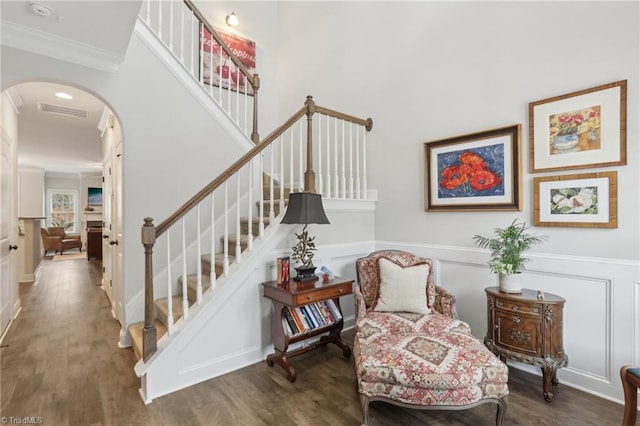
(301,144)
(238,76)
(328,157)
(281,186)
(199,261)
(182,33)
(291,163)
(343,178)
(271,212)
(320,180)
(221,62)
(148,17)
(160,20)
(191,59)
(169,287)
(200,55)
(225,269)
(358,193)
(212,253)
(261,203)
(238,233)
(185,300)
(351,160)
(246,106)
(336,179)
(210,64)
(364,164)
(250,217)
(171,26)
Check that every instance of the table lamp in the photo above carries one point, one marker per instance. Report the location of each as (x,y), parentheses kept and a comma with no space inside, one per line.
(305,208)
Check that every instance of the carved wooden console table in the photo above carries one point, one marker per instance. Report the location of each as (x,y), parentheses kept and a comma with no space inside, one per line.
(525,328)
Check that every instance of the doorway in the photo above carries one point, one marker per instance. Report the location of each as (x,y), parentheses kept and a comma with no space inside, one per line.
(66,135)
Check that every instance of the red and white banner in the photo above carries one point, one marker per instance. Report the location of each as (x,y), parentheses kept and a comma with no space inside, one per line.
(218,70)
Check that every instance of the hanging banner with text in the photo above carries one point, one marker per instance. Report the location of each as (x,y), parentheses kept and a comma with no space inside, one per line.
(217,69)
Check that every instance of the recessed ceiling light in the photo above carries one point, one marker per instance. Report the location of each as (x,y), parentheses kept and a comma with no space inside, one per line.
(40,9)
(63,95)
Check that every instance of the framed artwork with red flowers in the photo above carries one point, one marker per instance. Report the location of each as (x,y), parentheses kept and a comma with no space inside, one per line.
(474,172)
(579,130)
(585,200)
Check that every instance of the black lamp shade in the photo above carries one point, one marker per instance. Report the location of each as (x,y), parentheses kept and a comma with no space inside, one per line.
(305,208)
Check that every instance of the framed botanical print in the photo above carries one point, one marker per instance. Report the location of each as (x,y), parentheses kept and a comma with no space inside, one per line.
(586,200)
(583,129)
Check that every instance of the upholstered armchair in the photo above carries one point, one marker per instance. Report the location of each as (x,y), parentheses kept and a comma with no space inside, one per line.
(55,238)
(410,349)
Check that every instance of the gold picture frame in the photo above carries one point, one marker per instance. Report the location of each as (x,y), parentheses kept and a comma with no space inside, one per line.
(583,129)
(585,200)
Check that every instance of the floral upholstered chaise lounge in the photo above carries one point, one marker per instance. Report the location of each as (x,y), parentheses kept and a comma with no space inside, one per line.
(409,348)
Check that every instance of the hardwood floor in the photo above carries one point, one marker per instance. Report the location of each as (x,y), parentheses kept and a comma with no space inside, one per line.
(62,363)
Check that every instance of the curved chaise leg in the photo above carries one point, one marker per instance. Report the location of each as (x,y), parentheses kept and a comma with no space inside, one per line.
(364,402)
(502,409)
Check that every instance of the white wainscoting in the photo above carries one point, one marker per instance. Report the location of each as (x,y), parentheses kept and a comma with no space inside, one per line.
(601,313)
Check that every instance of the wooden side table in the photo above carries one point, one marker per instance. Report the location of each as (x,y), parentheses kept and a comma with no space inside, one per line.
(296,294)
(524,328)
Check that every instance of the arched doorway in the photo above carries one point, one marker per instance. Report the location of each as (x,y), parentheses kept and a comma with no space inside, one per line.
(65,143)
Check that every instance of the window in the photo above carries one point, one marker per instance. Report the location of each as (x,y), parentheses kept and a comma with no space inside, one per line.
(63,209)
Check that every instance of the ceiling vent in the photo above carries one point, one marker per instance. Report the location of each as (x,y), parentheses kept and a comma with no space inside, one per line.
(57,109)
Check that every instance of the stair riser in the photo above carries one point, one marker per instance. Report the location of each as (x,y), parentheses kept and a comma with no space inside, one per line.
(255,226)
(232,245)
(266,193)
(206,267)
(267,207)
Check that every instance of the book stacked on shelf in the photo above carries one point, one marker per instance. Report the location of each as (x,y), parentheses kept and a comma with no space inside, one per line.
(309,317)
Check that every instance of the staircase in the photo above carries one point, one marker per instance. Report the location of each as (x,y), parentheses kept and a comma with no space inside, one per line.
(187,335)
(171,311)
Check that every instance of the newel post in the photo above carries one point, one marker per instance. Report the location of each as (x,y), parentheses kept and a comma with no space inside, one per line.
(309,174)
(255,137)
(149,333)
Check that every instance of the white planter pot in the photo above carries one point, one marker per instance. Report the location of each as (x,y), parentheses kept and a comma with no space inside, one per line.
(510,283)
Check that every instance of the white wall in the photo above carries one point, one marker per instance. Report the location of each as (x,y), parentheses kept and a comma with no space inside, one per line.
(452,68)
(31,193)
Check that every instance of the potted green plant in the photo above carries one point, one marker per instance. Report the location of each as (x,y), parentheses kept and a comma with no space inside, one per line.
(507,248)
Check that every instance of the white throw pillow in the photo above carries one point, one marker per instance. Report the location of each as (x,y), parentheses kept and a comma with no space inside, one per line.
(403,289)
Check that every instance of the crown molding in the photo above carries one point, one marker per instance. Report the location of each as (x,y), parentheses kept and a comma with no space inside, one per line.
(47,44)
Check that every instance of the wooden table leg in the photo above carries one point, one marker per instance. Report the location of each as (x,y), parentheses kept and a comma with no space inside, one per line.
(548,380)
(334,337)
(282,360)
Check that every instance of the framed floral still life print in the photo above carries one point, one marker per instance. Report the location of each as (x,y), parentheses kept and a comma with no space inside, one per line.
(579,130)
(586,200)
(474,172)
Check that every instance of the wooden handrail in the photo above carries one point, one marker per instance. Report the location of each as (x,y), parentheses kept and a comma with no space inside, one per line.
(368,123)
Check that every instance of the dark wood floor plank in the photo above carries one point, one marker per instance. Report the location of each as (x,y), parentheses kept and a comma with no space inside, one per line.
(62,363)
